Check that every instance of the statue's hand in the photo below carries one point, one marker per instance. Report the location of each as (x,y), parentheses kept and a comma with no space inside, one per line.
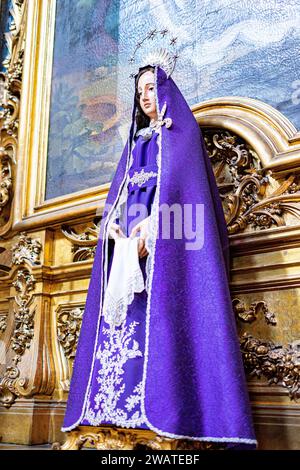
(143,228)
(115,231)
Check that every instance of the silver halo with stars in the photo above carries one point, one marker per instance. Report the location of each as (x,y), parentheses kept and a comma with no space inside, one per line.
(166,59)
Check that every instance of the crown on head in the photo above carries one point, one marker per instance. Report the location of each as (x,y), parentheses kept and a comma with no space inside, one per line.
(162,57)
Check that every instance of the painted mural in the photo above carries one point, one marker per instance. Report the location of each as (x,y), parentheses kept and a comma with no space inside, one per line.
(226,48)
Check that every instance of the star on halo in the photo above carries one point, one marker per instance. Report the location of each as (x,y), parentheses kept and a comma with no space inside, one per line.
(159,56)
(164,32)
(152,34)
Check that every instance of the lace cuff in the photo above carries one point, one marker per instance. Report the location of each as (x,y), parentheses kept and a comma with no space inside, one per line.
(115,310)
(125,279)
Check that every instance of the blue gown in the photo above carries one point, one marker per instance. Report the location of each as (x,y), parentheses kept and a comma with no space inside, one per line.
(115,389)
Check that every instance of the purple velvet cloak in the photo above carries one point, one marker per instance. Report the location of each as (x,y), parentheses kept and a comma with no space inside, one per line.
(194,384)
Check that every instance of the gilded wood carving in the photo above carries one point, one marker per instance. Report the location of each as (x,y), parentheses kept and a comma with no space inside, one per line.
(113,438)
(11,81)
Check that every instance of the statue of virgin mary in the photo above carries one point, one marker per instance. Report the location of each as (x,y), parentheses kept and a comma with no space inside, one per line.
(158,347)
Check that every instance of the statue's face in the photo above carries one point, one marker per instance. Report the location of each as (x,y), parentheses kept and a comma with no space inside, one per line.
(146,93)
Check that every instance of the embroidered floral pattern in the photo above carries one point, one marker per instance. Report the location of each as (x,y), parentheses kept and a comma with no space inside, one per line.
(140,177)
(113,354)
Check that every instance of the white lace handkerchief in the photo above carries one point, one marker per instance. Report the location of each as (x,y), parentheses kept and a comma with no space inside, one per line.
(125,279)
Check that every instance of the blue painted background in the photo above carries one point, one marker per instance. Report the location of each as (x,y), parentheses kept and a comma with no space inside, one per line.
(226,48)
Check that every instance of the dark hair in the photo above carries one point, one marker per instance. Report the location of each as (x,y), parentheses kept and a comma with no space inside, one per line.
(142,120)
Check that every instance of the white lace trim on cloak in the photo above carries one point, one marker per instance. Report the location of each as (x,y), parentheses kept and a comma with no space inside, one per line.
(125,279)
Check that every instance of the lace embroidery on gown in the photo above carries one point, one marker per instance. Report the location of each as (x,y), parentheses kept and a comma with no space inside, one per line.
(115,391)
(117,348)
(125,279)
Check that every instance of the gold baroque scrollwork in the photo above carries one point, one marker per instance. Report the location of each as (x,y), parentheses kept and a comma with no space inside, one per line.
(253,199)
(6,161)
(67,326)
(11,79)
(112,438)
(11,384)
(9,115)
(24,324)
(84,243)
(3,322)
(8,386)
(249,315)
(27,249)
(278,364)
(68,329)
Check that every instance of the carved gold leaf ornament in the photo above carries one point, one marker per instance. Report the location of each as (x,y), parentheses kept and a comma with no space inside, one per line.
(24,317)
(24,251)
(278,364)
(3,322)
(68,329)
(8,392)
(67,325)
(11,101)
(249,315)
(84,243)
(6,161)
(27,249)
(9,109)
(113,438)
(87,238)
(11,385)
(252,198)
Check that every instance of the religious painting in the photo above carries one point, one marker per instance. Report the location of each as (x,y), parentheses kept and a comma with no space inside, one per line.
(225,49)
(83,133)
